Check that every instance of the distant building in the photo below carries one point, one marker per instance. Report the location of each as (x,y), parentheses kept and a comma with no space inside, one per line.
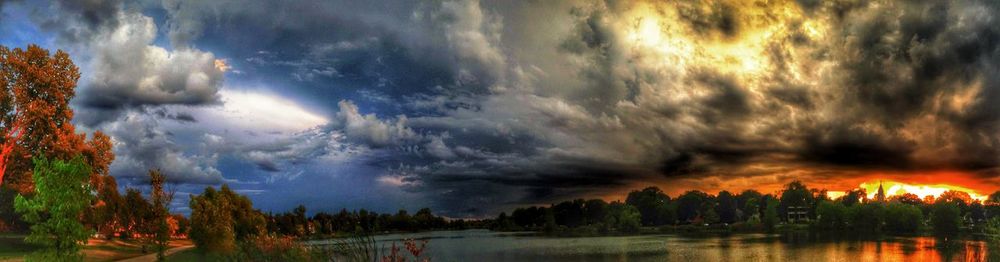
(880,195)
(798,213)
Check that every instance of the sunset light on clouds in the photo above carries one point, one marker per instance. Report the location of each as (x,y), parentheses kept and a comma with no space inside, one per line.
(472,107)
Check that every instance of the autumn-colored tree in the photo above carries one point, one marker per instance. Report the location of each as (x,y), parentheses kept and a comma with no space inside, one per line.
(35,117)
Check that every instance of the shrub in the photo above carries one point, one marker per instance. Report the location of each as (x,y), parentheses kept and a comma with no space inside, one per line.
(273,248)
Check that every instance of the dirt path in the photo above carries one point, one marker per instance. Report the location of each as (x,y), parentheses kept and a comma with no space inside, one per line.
(152,257)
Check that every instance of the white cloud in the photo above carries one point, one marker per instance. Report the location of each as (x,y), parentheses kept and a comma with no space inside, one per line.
(369,129)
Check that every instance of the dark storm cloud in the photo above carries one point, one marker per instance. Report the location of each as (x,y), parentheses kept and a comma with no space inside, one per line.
(906,61)
(471,118)
(474,106)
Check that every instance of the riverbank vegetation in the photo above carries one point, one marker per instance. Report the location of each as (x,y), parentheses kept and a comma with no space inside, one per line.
(796,207)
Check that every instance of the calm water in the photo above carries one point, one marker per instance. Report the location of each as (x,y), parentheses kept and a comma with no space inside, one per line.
(482,246)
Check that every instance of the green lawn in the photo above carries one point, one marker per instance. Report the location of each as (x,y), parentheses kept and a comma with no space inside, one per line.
(191,255)
(13,246)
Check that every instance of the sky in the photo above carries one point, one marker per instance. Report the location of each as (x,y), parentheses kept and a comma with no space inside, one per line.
(475,107)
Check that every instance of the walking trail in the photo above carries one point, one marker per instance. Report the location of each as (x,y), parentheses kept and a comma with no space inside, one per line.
(152,257)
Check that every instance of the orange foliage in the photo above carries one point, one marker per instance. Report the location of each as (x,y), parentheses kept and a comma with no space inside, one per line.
(35,117)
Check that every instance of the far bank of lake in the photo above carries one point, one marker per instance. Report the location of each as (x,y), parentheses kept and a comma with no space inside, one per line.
(484,245)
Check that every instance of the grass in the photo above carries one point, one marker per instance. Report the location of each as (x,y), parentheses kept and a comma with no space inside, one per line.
(191,255)
(13,248)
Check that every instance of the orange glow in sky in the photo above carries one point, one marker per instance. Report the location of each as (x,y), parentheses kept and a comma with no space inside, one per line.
(893,188)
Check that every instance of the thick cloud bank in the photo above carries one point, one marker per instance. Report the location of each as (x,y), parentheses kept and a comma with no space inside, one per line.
(470,107)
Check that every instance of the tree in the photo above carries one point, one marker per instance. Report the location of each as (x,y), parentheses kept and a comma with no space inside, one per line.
(726,208)
(652,205)
(867,217)
(903,218)
(105,214)
(993,199)
(770,219)
(594,211)
(689,205)
(946,217)
(795,194)
(35,117)
(54,211)
(854,197)
(134,214)
(743,202)
(831,215)
(907,198)
(569,213)
(160,213)
(211,223)
(550,221)
(623,218)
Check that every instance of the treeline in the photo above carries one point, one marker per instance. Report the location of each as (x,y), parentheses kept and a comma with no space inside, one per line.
(594,215)
(297,223)
(224,223)
(949,213)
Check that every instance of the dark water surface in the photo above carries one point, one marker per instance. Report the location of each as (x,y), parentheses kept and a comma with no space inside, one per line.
(483,246)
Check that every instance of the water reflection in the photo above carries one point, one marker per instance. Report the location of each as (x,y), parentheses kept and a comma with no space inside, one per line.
(482,246)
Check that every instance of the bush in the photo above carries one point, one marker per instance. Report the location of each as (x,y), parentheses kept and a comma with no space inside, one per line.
(272,248)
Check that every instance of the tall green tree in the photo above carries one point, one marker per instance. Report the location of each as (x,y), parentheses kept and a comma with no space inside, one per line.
(62,193)
(160,213)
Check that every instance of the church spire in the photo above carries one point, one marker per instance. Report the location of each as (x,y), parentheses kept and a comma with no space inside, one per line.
(880,195)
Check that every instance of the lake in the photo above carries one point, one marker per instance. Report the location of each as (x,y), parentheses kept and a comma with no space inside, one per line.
(484,245)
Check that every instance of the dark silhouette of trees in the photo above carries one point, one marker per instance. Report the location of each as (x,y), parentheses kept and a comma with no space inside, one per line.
(726,209)
(854,197)
(594,211)
(946,217)
(623,218)
(795,194)
(749,203)
(907,198)
(569,213)
(903,218)
(832,215)
(692,205)
(653,204)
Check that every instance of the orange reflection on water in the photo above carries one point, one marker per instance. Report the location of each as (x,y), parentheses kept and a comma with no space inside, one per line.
(922,249)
